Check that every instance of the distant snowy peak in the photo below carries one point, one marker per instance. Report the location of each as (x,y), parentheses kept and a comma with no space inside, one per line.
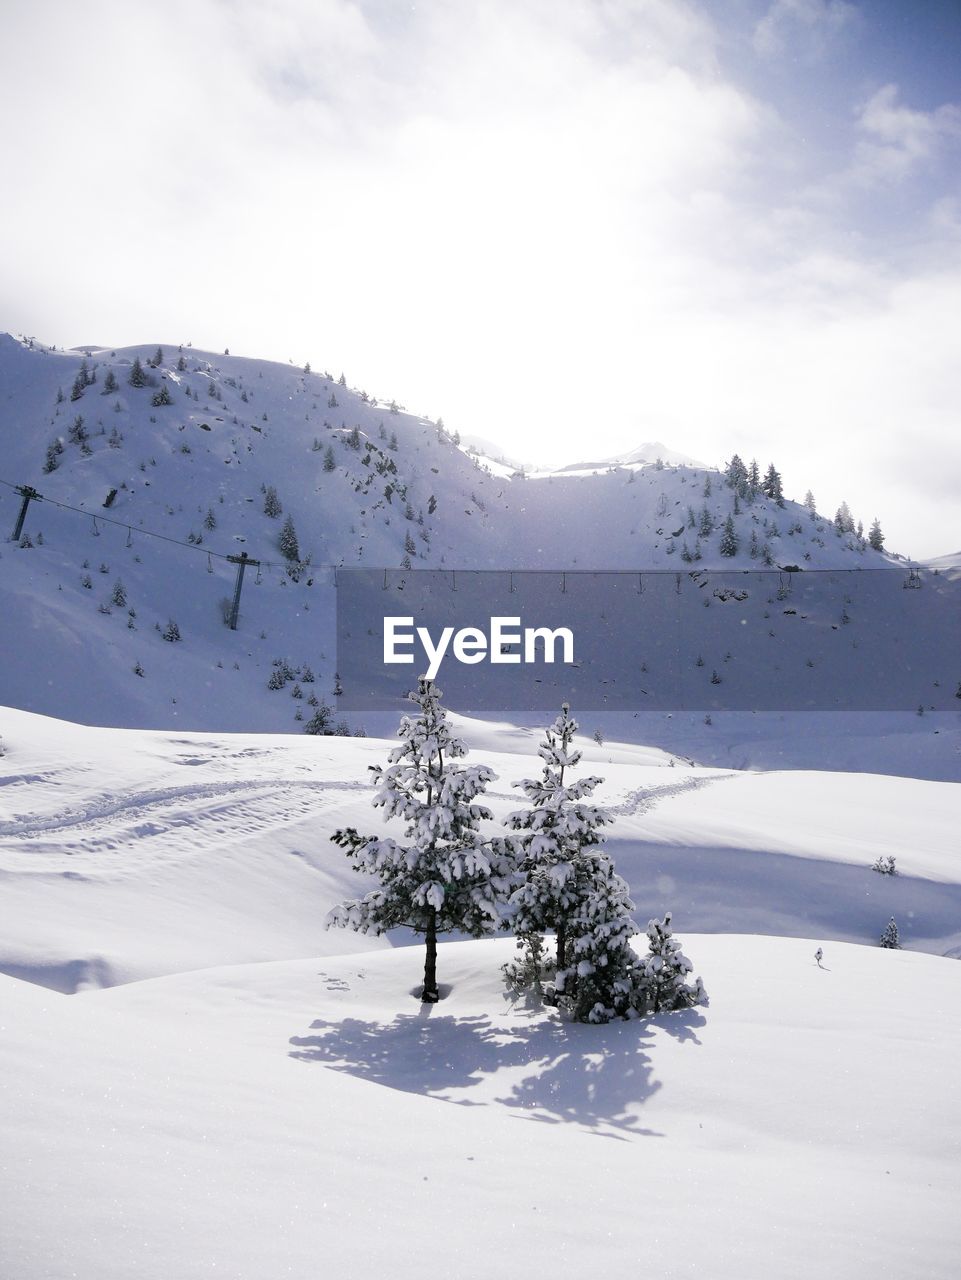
(644,455)
(489,451)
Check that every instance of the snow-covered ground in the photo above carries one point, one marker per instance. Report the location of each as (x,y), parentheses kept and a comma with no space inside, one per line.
(234,1090)
(310,1117)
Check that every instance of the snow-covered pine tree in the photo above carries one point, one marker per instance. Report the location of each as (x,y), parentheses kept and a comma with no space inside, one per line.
(771,485)
(445,876)
(289,547)
(875,536)
(568,884)
(138,377)
(601,980)
(272,504)
(736,473)
(889,938)
(665,969)
(729,542)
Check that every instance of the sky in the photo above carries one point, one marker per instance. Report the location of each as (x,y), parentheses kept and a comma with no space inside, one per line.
(569,226)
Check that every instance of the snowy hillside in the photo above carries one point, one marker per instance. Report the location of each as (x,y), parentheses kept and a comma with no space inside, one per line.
(130,854)
(148,489)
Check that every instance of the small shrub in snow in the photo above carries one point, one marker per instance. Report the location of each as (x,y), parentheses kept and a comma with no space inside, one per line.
(889,938)
(885,865)
(665,969)
(171,632)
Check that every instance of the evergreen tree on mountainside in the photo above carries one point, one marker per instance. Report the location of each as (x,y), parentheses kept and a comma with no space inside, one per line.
(272,504)
(754,478)
(445,876)
(736,474)
(843,519)
(875,536)
(771,485)
(289,547)
(729,542)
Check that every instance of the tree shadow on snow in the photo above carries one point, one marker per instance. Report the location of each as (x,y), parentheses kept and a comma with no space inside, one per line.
(553,1072)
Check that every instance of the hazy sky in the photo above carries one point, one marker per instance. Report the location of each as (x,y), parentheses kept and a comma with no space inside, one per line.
(568,225)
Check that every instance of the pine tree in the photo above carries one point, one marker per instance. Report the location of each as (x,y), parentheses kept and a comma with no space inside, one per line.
(445,876)
(78,388)
(161,397)
(137,377)
(729,540)
(110,383)
(736,473)
(771,485)
(272,505)
(329,461)
(289,548)
(809,503)
(158,358)
(665,968)
(210,520)
(843,520)
(875,536)
(754,478)
(568,884)
(889,938)
(410,546)
(319,722)
(354,438)
(119,595)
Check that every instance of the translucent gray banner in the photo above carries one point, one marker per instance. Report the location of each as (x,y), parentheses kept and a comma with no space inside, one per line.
(765,640)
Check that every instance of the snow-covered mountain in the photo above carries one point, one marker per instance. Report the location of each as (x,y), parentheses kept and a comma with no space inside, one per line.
(147,489)
(647,454)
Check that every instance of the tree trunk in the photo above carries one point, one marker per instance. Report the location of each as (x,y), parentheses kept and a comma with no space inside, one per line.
(431,995)
(561,945)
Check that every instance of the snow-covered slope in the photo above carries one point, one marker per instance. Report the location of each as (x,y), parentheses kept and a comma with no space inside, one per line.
(187,484)
(309,1116)
(129,854)
(234,1090)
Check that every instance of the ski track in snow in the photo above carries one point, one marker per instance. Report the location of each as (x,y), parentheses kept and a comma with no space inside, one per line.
(235,810)
(644,799)
(226,811)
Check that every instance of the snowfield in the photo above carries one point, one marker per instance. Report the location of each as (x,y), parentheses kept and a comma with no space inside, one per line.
(311,1116)
(234,1090)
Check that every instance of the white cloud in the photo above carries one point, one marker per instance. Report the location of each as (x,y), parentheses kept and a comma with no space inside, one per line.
(806,28)
(896,140)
